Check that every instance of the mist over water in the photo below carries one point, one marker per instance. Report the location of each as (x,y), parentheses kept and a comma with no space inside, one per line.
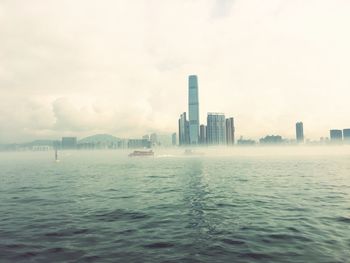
(245,204)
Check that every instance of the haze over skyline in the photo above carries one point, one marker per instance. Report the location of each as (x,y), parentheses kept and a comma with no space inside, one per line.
(84,67)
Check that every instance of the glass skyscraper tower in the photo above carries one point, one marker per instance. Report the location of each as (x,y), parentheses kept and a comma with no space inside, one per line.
(216,128)
(193,109)
(299,129)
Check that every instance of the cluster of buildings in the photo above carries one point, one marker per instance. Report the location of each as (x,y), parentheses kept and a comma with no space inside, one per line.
(147,141)
(70,143)
(219,130)
(339,136)
(94,142)
(335,136)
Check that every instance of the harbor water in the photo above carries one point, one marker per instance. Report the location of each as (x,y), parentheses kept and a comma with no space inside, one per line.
(102,206)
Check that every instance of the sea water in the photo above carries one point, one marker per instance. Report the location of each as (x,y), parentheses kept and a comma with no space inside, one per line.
(245,206)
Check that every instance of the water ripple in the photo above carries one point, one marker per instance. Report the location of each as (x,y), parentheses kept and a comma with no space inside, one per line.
(109,208)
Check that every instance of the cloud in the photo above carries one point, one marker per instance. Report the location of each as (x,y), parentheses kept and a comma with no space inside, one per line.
(121,67)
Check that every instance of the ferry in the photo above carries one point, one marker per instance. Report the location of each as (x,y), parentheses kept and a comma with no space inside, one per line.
(141,153)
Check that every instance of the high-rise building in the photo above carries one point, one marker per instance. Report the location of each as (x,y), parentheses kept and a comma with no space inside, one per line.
(69,143)
(193,109)
(346,134)
(202,134)
(216,128)
(336,135)
(173,139)
(299,129)
(183,130)
(230,131)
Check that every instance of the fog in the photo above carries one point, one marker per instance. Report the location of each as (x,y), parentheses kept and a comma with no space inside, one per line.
(271,152)
(255,151)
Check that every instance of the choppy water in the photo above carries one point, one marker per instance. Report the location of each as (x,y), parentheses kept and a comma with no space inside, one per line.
(105,207)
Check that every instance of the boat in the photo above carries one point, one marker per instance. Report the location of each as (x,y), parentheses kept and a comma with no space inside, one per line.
(141,153)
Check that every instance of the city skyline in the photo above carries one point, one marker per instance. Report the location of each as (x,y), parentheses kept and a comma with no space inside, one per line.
(217,131)
(120,68)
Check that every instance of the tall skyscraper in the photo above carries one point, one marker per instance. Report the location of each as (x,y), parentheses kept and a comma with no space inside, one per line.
(202,134)
(183,130)
(193,109)
(216,128)
(346,134)
(230,131)
(299,128)
(336,135)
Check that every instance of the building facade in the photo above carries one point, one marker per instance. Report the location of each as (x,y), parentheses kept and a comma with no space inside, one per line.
(216,128)
(336,135)
(299,129)
(183,130)
(230,131)
(346,135)
(193,109)
(202,134)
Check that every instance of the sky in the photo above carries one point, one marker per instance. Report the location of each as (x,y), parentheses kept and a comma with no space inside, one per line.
(82,67)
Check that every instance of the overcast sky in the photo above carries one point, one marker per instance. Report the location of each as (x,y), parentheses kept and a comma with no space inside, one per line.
(80,67)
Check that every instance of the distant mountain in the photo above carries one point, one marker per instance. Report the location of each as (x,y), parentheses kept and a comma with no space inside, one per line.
(100,138)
